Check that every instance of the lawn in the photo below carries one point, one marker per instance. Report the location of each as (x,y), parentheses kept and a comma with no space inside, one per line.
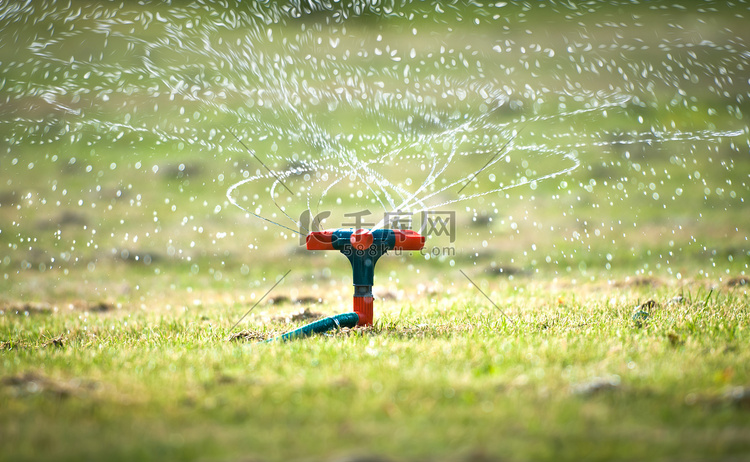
(569,375)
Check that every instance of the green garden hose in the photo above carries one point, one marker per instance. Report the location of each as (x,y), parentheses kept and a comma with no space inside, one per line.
(338,321)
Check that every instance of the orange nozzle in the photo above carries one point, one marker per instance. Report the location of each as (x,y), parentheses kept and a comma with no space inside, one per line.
(320,240)
(407,239)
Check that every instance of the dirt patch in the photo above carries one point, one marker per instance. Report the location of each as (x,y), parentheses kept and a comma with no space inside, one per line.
(596,386)
(136,257)
(303,315)
(8,198)
(347,332)
(101,307)
(482,220)
(55,342)
(740,281)
(33,383)
(507,271)
(26,308)
(278,300)
(674,339)
(44,308)
(307,300)
(639,282)
(738,397)
(11,345)
(250,336)
(66,218)
(282,299)
(182,170)
(306,315)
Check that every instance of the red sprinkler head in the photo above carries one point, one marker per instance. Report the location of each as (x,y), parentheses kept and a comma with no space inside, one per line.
(363,248)
(361,239)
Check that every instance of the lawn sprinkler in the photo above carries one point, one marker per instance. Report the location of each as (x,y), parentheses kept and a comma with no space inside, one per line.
(363,248)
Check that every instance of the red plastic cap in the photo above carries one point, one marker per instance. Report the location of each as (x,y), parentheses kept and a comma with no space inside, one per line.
(363,307)
(361,239)
(319,240)
(407,239)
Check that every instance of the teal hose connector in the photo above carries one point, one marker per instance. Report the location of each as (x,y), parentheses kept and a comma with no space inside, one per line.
(338,321)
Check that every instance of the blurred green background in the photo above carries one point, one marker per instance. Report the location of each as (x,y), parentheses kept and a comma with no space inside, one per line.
(118,126)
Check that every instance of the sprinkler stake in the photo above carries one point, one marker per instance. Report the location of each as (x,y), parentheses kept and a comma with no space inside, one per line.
(363,248)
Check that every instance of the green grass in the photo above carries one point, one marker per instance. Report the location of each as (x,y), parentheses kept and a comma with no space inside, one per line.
(570,376)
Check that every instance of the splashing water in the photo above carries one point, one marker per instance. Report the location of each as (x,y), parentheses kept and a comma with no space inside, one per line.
(381,107)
